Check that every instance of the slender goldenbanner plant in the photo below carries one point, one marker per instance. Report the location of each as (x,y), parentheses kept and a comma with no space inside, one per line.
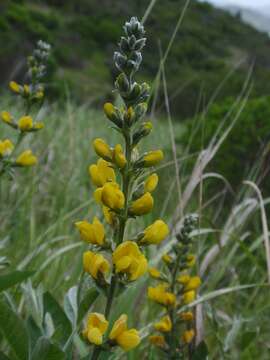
(31,94)
(125,182)
(176,288)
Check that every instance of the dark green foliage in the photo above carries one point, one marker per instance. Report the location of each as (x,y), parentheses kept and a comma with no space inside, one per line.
(245,145)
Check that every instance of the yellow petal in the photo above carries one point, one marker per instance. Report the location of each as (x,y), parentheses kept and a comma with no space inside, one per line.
(128,339)
(119,326)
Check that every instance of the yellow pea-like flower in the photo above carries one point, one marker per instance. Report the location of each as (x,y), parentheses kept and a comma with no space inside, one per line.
(15,87)
(112,196)
(96,327)
(102,149)
(183,279)
(6,117)
(95,264)
(193,283)
(154,273)
(157,340)
(186,316)
(26,158)
(143,205)
(155,233)
(101,173)
(92,233)
(26,89)
(191,260)
(152,158)
(188,336)
(189,297)
(151,183)
(161,296)
(109,110)
(119,157)
(6,147)
(38,125)
(108,215)
(128,259)
(164,325)
(25,123)
(167,258)
(126,338)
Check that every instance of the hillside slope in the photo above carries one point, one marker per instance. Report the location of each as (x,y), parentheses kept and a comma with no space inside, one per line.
(84,33)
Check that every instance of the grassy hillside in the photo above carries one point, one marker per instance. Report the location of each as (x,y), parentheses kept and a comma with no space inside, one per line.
(209,43)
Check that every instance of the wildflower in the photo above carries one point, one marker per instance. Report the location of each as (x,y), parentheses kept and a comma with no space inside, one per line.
(164,325)
(6,147)
(128,259)
(92,233)
(38,126)
(102,149)
(15,87)
(183,279)
(191,259)
(157,340)
(152,158)
(26,158)
(118,156)
(39,95)
(112,196)
(188,336)
(6,117)
(108,215)
(143,205)
(161,296)
(126,338)
(101,173)
(167,258)
(186,316)
(155,233)
(25,123)
(151,183)
(189,297)
(95,264)
(26,89)
(193,283)
(95,328)
(154,273)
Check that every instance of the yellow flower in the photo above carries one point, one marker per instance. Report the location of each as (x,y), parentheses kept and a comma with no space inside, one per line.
(157,340)
(39,94)
(151,183)
(6,147)
(101,173)
(6,117)
(152,158)
(143,205)
(183,279)
(167,258)
(95,328)
(109,110)
(38,125)
(193,283)
(102,149)
(25,123)
(126,339)
(188,336)
(95,264)
(128,259)
(189,297)
(191,259)
(112,196)
(154,272)
(186,316)
(26,158)
(26,89)
(92,233)
(108,215)
(161,296)
(15,87)
(155,233)
(164,325)
(118,156)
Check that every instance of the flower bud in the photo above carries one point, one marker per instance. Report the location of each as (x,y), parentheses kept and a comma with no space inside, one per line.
(25,123)
(142,132)
(6,117)
(152,158)
(6,148)
(155,233)
(26,158)
(102,149)
(15,87)
(142,206)
(188,336)
(193,283)
(154,273)
(151,183)
(118,156)
(112,196)
(189,297)
(157,340)
(112,114)
(122,83)
(164,325)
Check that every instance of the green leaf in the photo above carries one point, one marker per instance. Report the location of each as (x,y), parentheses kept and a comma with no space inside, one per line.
(3,356)
(14,331)
(201,352)
(60,320)
(13,278)
(45,350)
(88,299)
(71,305)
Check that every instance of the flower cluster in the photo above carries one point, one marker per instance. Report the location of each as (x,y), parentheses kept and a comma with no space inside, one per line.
(31,94)
(125,183)
(176,288)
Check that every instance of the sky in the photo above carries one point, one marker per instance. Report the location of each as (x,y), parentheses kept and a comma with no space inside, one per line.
(247,3)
